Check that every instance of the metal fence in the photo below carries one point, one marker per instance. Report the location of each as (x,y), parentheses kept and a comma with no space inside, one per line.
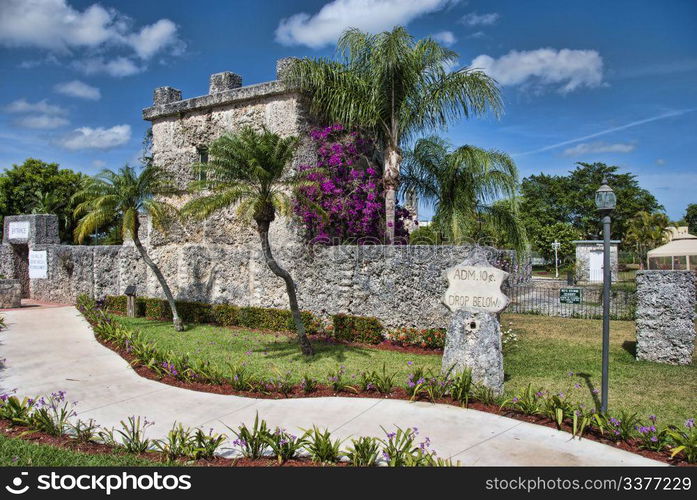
(570,302)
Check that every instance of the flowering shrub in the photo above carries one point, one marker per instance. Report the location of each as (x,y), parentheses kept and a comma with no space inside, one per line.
(428,338)
(346,201)
(685,441)
(357,329)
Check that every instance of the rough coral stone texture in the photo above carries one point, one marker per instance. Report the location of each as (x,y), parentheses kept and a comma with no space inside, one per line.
(166,95)
(473,341)
(665,316)
(220,82)
(10,294)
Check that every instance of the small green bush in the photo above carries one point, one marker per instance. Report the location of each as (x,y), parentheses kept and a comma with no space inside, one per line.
(218,314)
(367,330)
(158,309)
(115,303)
(225,315)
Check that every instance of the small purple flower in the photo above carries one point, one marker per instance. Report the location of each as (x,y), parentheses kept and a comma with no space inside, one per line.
(652,418)
(690,423)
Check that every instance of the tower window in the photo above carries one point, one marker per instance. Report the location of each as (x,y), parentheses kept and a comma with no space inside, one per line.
(202,159)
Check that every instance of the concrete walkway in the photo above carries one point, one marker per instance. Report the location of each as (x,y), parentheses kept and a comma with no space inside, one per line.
(50,349)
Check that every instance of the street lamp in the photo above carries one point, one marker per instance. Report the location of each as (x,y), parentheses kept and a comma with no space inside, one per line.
(555,246)
(605,201)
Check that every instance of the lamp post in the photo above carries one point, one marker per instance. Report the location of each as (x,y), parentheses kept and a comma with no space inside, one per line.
(555,246)
(605,201)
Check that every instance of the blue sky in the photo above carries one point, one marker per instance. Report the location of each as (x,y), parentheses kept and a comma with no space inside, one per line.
(582,81)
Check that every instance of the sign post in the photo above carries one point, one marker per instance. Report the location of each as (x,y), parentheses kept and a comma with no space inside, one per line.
(570,295)
(473,339)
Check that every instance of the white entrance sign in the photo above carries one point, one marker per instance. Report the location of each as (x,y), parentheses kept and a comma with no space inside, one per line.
(38,264)
(18,230)
(475,288)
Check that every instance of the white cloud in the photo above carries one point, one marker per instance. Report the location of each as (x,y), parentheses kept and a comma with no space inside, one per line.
(585,148)
(447,38)
(57,27)
(43,107)
(660,161)
(43,122)
(571,68)
(120,66)
(79,89)
(96,138)
(98,163)
(474,19)
(154,38)
(325,27)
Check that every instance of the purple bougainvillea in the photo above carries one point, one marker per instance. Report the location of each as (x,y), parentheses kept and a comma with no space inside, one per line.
(346,203)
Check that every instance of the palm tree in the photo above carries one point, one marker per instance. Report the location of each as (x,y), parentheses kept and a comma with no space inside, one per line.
(646,231)
(465,187)
(46,203)
(250,170)
(392,87)
(123,196)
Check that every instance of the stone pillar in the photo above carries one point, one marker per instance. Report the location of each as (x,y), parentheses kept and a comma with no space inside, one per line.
(665,316)
(220,82)
(473,339)
(283,64)
(10,293)
(165,95)
(473,342)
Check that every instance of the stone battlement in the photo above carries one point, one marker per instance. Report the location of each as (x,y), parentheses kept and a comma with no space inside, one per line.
(223,89)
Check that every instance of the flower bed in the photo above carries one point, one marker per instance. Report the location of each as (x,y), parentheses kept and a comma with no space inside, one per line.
(671,444)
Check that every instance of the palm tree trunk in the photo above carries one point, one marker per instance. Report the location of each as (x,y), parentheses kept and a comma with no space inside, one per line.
(391,179)
(176,320)
(305,346)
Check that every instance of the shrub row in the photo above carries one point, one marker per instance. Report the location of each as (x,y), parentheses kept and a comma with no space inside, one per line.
(219,314)
(366,330)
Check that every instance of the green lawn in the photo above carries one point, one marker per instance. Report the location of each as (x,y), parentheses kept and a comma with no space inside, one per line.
(268,355)
(551,348)
(547,351)
(18,452)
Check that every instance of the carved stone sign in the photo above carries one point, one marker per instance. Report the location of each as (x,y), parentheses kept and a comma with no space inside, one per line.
(38,264)
(475,288)
(18,230)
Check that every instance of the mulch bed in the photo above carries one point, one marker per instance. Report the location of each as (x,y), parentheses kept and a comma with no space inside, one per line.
(632,446)
(69,443)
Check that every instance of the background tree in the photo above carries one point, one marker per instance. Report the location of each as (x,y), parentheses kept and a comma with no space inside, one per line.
(251,170)
(393,87)
(123,196)
(547,199)
(465,186)
(39,187)
(691,218)
(564,233)
(645,232)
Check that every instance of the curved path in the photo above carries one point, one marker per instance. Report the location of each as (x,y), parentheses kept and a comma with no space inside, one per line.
(50,349)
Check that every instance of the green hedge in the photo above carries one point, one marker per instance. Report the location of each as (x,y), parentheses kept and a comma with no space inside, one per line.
(367,330)
(220,314)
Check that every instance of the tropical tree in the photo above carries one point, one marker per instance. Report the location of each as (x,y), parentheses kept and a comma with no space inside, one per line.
(392,87)
(465,186)
(646,231)
(123,196)
(691,217)
(21,186)
(251,170)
